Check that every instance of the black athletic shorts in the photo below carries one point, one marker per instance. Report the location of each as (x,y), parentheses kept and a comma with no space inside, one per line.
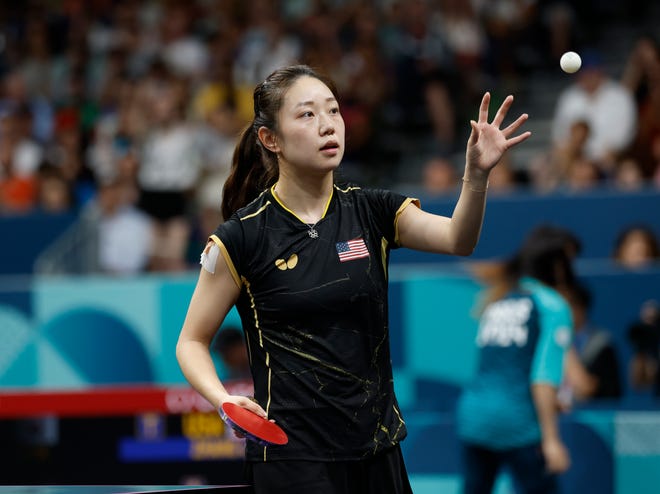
(163,206)
(384,473)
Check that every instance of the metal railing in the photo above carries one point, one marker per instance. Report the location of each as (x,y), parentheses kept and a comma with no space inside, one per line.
(75,251)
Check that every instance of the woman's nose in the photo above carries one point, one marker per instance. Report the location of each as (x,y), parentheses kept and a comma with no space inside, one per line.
(326,126)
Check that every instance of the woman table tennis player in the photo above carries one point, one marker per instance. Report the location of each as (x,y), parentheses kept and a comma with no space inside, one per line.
(304,260)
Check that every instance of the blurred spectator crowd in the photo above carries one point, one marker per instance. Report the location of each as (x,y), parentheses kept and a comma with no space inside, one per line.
(133,107)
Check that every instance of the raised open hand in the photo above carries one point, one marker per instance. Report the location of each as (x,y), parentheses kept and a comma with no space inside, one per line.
(488,143)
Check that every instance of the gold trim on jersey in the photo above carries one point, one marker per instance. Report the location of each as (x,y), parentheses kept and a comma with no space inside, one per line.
(253,306)
(391,435)
(383,254)
(228,260)
(347,189)
(403,206)
(257,212)
(279,201)
(402,422)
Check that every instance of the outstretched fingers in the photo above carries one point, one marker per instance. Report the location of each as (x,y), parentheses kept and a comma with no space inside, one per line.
(512,141)
(481,126)
(483,108)
(517,139)
(502,111)
(515,125)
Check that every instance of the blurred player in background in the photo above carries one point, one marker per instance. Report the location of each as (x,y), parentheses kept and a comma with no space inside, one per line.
(305,261)
(507,417)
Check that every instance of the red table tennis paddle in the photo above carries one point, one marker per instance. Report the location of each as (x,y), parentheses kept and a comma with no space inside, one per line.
(252,426)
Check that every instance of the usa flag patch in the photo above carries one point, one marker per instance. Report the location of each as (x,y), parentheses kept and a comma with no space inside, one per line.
(353,249)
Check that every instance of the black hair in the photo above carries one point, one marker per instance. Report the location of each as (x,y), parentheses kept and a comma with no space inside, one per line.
(581,296)
(546,255)
(553,233)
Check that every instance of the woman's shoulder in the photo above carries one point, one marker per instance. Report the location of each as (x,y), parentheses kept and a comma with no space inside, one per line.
(544,294)
(241,218)
(350,189)
(254,207)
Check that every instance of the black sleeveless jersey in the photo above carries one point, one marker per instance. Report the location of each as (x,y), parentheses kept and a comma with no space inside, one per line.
(314,308)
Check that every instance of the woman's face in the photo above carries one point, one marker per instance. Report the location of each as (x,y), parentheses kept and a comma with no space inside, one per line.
(635,250)
(311,130)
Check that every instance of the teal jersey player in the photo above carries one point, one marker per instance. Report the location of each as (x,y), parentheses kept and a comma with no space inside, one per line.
(508,415)
(522,340)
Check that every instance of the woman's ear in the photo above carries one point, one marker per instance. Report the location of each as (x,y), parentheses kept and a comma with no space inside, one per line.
(268,139)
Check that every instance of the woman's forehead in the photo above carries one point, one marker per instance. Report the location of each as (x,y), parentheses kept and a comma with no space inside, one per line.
(306,91)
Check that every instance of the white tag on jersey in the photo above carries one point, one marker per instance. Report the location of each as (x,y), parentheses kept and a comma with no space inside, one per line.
(209,258)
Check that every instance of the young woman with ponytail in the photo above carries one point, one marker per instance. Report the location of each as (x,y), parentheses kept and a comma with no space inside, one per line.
(304,260)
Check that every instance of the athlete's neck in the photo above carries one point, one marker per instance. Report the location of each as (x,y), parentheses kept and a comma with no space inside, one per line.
(308,201)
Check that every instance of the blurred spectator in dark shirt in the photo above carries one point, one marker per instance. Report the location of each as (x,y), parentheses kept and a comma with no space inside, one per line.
(417,48)
(54,193)
(229,345)
(15,94)
(644,337)
(641,75)
(592,371)
(441,109)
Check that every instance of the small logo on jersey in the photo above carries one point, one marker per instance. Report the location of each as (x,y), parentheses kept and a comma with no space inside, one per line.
(291,263)
(353,249)
(563,336)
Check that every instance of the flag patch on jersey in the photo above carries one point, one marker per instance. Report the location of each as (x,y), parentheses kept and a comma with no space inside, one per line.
(353,249)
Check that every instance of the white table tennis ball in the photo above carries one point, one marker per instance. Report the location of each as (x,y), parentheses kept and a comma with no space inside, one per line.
(570,62)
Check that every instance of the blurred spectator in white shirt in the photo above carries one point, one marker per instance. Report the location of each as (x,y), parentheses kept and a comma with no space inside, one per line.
(124,232)
(605,104)
(169,169)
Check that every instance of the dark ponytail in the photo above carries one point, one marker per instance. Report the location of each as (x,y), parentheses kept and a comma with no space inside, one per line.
(251,173)
(254,168)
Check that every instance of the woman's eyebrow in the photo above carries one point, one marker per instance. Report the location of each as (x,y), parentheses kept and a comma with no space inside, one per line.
(310,102)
